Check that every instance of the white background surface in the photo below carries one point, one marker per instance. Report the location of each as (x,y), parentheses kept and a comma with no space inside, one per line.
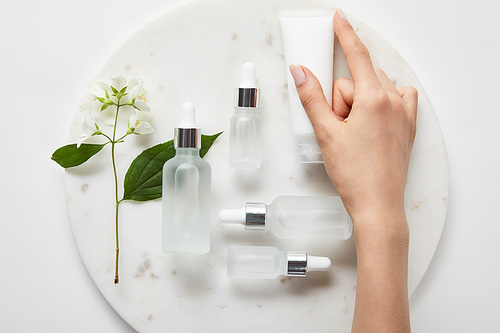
(49,52)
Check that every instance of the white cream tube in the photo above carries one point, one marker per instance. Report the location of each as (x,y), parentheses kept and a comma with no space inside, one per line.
(307,40)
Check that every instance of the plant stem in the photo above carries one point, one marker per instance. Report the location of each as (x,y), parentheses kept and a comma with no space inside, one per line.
(117,245)
(123,137)
(107,137)
(117,203)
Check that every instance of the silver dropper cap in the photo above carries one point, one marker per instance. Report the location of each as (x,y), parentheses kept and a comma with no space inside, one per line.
(252,216)
(296,263)
(187,135)
(299,263)
(255,216)
(247,95)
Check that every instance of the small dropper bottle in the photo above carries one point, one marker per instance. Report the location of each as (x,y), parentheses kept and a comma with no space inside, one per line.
(295,217)
(266,262)
(186,191)
(245,138)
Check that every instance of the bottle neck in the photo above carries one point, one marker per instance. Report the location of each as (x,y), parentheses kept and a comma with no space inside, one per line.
(187,151)
(245,110)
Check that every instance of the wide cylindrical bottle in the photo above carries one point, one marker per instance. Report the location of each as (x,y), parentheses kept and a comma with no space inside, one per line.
(186,192)
(245,132)
(295,217)
(266,262)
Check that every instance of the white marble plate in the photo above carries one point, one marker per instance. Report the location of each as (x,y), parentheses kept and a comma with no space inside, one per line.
(194,53)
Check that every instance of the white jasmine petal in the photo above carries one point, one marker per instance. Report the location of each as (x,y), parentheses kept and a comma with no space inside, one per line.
(103,85)
(118,82)
(108,115)
(137,125)
(143,128)
(125,99)
(133,121)
(132,84)
(89,127)
(139,91)
(141,105)
(83,137)
(93,106)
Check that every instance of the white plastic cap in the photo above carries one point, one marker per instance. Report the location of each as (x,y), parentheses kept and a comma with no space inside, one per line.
(248,76)
(233,216)
(318,264)
(188,116)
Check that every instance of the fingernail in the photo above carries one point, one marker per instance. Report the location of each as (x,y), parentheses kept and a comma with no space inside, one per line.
(341,14)
(298,74)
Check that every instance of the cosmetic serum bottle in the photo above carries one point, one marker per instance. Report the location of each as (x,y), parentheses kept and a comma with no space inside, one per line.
(265,262)
(245,139)
(295,217)
(186,191)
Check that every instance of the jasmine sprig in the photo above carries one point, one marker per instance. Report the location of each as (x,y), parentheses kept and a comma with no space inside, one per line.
(118,95)
(143,180)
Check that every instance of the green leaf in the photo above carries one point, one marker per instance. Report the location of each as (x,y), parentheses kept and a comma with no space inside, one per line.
(143,180)
(70,156)
(144,176)
(115,91)
(207,142)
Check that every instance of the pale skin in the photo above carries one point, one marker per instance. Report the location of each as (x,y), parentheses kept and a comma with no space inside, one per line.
(366,140)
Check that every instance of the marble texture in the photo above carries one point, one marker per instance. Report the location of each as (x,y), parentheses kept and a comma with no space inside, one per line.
(194,53)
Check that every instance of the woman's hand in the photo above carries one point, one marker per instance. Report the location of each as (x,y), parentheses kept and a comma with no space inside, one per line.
(367,137)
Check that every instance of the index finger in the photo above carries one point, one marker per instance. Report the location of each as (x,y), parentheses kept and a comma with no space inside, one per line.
(357,55)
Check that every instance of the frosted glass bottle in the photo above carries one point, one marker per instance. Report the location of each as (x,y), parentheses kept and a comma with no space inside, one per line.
(265,262)
(186,192)
(295,217)
(245,131)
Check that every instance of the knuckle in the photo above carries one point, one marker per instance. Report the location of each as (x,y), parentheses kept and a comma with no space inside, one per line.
(395,100)
(409,91)
(342,84)
(412,91)
(341,81)
(381,100)
(322,134)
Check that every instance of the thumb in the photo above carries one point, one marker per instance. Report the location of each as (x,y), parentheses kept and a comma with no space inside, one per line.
(312,98)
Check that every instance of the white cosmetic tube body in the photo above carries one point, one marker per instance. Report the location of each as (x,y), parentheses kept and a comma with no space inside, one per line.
(307,40)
